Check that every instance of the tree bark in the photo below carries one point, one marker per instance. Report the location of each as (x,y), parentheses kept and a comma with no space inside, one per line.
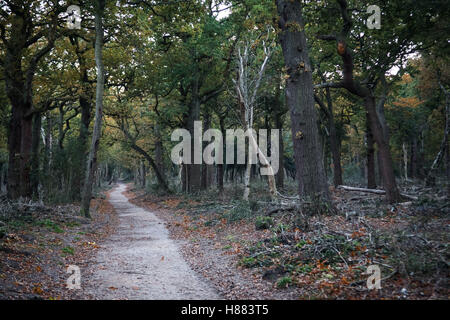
(35,166)
(371,181)
(334,142)
(19,89)
(220,167)
(205,170)
(91,166)
(159,150)
(47,153)
(392,192)
(280,174)
(300,100)
(194,171)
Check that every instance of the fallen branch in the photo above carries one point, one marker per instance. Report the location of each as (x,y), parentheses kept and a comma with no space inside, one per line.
(270,212)
(376,191)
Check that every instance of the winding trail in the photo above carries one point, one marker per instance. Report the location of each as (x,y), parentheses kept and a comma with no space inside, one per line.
(139,261)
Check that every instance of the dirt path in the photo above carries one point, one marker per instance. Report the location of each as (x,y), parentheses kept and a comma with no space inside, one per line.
(139,261)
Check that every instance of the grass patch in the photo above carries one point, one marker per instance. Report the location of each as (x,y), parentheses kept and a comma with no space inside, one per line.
(68,250)
(284,282)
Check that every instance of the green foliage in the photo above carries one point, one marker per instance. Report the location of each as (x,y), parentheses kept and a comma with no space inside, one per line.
(248,262)
(284,282)
(263,222)
(241,210)
(68,250)
(51,225)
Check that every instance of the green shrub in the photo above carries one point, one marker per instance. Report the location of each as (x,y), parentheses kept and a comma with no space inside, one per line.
(263,223)
(240,211)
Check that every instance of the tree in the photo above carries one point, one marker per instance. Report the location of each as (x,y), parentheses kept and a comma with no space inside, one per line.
(247,85)
(26,27)
(91,166)
(355,87)
(300,100)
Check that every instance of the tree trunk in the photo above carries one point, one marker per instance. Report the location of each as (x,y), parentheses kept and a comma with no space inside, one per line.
(205,176)
(334,142)
(20,98)
(159,151)
(248,169)
(36,139)
(392,192)
(444,144)
(92,160)
(413,159)
(47,153)
(371,182)
(220,167)
(405,159)
(194,171)
(159,175)
(142,174)
(280,173)
(300,100)
(26,153)
(447,169)
(85,107)
(380,168)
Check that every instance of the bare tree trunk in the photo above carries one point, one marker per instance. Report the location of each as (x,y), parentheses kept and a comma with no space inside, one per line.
(300,100)
(247,90)
(92,160)
(248,168)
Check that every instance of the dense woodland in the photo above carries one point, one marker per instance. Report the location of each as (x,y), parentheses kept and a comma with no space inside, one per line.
(83,108)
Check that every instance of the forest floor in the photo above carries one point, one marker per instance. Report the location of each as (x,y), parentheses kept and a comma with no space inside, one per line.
(262,250)
(38,243)
(228,248)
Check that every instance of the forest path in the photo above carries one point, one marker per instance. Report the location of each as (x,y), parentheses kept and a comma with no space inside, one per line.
(139,261)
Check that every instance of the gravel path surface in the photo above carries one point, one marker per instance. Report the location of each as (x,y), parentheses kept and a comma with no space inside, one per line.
(139,261)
